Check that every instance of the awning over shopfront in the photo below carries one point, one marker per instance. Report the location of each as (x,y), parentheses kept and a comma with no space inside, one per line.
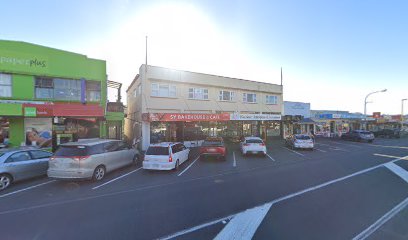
(62,109)
(307,121)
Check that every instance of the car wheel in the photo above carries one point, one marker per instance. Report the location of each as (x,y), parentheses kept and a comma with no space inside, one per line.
(99,173)
(370,141)
(5,181)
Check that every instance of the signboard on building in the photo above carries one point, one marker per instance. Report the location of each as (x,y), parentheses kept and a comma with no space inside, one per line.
(376,114)
(296,108)
(256,117)
(180,117)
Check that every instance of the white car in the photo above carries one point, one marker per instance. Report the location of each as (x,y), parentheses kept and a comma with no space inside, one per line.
(165,156)
(300,141)
(253,145)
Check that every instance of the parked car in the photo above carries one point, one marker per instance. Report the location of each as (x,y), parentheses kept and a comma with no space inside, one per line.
(20,164)
(214,147)
(165,156)
(90,159)
(358,135)
(252,145)
(299,141)
(388,133)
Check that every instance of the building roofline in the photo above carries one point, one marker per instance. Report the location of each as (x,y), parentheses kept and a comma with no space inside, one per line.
(213,75)
(133,82)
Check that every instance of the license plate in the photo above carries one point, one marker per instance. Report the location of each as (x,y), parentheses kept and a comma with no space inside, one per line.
(212,150)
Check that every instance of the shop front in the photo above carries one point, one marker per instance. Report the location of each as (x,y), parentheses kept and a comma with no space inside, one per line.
(47,125)
(192,129)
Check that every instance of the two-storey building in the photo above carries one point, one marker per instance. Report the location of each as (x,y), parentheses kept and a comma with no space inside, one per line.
(172,105)
(49,96)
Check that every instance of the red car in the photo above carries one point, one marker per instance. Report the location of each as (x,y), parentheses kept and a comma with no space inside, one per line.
(214,147)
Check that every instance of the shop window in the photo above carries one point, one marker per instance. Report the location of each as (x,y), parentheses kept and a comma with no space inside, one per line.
(198,93)
(163,90)
(226,96)
(93,91)
(249,97)
(44,88)
(5,85)
(65,89)
(271,99)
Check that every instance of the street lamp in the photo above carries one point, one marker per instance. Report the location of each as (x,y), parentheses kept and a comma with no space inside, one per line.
(402,112)
(365,105)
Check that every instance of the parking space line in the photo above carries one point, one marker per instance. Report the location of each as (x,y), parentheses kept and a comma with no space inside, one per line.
(388,156)
(298,153)
(191,164)
(270,157)
(234,163)
(319,150)
(346,144)
(124,175)
(402,173)
(25,189)
(281,199)
(376,145)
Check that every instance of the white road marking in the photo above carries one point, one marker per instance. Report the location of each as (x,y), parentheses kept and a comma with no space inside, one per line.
(25,189)
(346,144)
(320,150)
(371,229)
(244,224)
(402,173)
(124,175)
(191,164)
(270,157)
(185,231)
(376,145)
(389,156)
(234,163)
(298,153)
(323,144)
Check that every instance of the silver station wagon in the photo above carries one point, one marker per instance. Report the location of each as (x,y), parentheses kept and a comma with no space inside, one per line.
(90,159)
(20,164)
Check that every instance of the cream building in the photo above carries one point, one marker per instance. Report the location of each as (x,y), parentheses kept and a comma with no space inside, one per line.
(173,105)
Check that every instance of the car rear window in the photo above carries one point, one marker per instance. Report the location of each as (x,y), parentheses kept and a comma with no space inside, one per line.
(212,143)
(157,151)
(254,141)
(302,137)
(70,151)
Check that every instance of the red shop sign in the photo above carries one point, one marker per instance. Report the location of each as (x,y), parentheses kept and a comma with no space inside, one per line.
(181,117)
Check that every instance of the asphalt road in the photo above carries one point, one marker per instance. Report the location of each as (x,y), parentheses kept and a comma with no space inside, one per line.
(341,190)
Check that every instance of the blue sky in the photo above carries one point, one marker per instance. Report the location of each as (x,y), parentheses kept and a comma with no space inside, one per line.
(332,52)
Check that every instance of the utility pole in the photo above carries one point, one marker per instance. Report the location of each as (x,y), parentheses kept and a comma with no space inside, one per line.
(402,112)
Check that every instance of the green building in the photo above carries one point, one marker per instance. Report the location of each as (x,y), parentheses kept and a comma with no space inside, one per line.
(49,96)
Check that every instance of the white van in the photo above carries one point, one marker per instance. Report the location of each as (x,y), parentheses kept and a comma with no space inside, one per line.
(165,156)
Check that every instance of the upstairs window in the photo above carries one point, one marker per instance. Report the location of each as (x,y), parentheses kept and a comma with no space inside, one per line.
(249,97)
(5,85)
(163,90)
(44,88)
(271,99)
(226,96)
(198,93)
(66,89)
(93,91)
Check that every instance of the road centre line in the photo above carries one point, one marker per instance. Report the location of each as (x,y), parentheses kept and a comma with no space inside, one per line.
(345,144)
(294,152)
(124,175)
(402,173)
(191,164)
(25,189)
(376,145)
(270,157)
(234,163)
(185,231)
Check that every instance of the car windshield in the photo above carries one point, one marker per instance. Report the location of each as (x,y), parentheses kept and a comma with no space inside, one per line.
(302,137)
(212,143)
(254,141)
(158,151)
(70,151)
